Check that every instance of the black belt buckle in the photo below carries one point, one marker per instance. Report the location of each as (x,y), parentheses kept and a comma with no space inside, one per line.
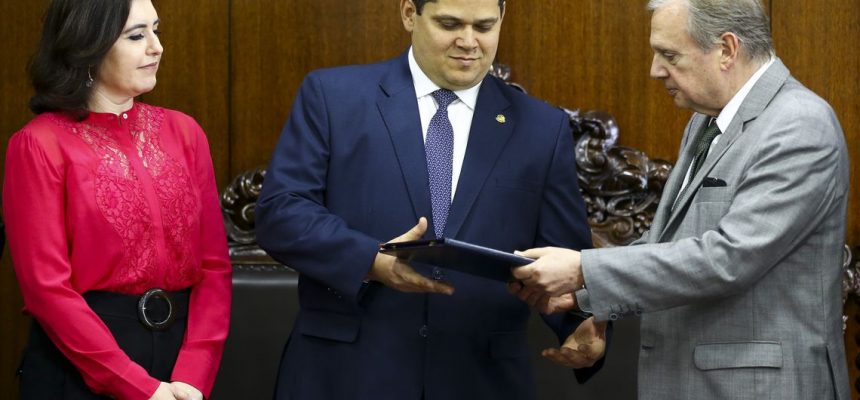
(144,318)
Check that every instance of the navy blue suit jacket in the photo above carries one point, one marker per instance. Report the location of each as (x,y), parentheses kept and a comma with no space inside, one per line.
(349,173)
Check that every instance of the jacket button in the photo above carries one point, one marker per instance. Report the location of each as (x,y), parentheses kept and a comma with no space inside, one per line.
(613,316)
(438,274)
(424,331)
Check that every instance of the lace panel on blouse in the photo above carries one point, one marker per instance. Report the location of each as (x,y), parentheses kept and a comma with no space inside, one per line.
(120,197)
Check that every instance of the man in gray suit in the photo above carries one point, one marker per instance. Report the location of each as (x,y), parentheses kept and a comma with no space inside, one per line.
(738,280)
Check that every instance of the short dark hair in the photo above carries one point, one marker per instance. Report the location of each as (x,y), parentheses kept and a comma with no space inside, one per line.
(76,37)
(419,4)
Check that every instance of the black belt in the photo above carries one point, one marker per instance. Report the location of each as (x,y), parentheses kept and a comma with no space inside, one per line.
(156,309)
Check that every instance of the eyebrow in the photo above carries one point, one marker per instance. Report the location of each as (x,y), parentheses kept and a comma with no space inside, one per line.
(138,26)
(487,21)
(659,47)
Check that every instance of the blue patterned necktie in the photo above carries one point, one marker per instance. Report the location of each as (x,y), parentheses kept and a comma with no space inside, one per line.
(439,147)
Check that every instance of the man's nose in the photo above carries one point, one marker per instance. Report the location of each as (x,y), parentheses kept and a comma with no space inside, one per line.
(658,71)
(467,39)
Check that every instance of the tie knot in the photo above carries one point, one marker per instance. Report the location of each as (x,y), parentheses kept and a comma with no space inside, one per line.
(444,97)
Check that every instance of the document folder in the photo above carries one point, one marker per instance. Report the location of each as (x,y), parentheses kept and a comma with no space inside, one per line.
(460,256)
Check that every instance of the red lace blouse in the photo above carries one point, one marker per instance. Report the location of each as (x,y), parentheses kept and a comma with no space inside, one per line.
(122,204)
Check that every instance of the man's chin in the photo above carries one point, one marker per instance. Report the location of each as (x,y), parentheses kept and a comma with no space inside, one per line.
(460,82)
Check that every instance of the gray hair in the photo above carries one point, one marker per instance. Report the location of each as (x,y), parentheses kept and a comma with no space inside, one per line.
(709,19)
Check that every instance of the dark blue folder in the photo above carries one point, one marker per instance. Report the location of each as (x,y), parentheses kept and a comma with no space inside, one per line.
(461,256)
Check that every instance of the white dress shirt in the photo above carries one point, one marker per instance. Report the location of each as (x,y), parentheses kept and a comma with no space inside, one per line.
(728,113)
(460,112)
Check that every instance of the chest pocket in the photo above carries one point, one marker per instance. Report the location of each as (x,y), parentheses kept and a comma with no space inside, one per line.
(718,194)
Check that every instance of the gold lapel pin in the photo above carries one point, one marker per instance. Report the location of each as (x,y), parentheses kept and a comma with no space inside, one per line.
(500,118)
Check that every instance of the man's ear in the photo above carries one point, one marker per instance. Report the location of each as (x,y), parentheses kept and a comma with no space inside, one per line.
(730,47)
(408,12)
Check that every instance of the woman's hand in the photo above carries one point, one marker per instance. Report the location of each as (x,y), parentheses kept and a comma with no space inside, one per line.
(184,391)
(164,392)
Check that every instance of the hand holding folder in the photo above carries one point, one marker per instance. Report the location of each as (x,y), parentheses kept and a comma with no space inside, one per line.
(396,274)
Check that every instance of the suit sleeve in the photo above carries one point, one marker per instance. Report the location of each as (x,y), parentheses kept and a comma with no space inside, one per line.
(209,306)
(564,223)
(794,179)
(293,224)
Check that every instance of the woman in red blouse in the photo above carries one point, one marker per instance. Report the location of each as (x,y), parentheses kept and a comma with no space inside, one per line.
(112,218)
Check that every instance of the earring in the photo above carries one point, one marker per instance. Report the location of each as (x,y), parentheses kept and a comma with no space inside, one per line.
(89,82)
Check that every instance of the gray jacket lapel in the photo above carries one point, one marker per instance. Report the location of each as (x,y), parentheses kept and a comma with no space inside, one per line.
(676,178)
(758,98)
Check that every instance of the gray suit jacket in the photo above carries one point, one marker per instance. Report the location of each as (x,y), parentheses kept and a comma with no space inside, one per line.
(739,286)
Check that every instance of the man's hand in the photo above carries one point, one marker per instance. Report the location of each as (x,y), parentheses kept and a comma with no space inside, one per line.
(184,391)
(540,301)
(398,275)
(163,392)
(554,272)
(583,348)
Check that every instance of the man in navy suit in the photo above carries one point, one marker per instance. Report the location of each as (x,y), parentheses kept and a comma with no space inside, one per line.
(351,171)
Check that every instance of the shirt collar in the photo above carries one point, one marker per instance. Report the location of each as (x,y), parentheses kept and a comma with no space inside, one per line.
(729,111)
(99,118)
(424,86)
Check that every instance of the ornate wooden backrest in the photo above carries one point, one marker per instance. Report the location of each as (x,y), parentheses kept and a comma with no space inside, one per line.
(620,185)
(237,206)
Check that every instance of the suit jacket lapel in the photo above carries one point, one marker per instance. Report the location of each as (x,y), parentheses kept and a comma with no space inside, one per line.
(487,138)
(757,99)
(726,139)
(399,108)
(676,178)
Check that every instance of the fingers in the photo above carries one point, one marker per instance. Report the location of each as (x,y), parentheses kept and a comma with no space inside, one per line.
(523,292)
(415,233)
(589,339)
(563,303)
(179,393)
(514,287)
(184,391)
(533,298)
(407,280)
(522,273)
(424,285)
(534,253)
(540,301)
(164,392)
(593,349)
(554,274)
(590,330)
(581,349)
(568,357)
(398,275)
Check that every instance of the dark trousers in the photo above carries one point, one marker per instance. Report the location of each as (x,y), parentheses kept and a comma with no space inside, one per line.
(46,373)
